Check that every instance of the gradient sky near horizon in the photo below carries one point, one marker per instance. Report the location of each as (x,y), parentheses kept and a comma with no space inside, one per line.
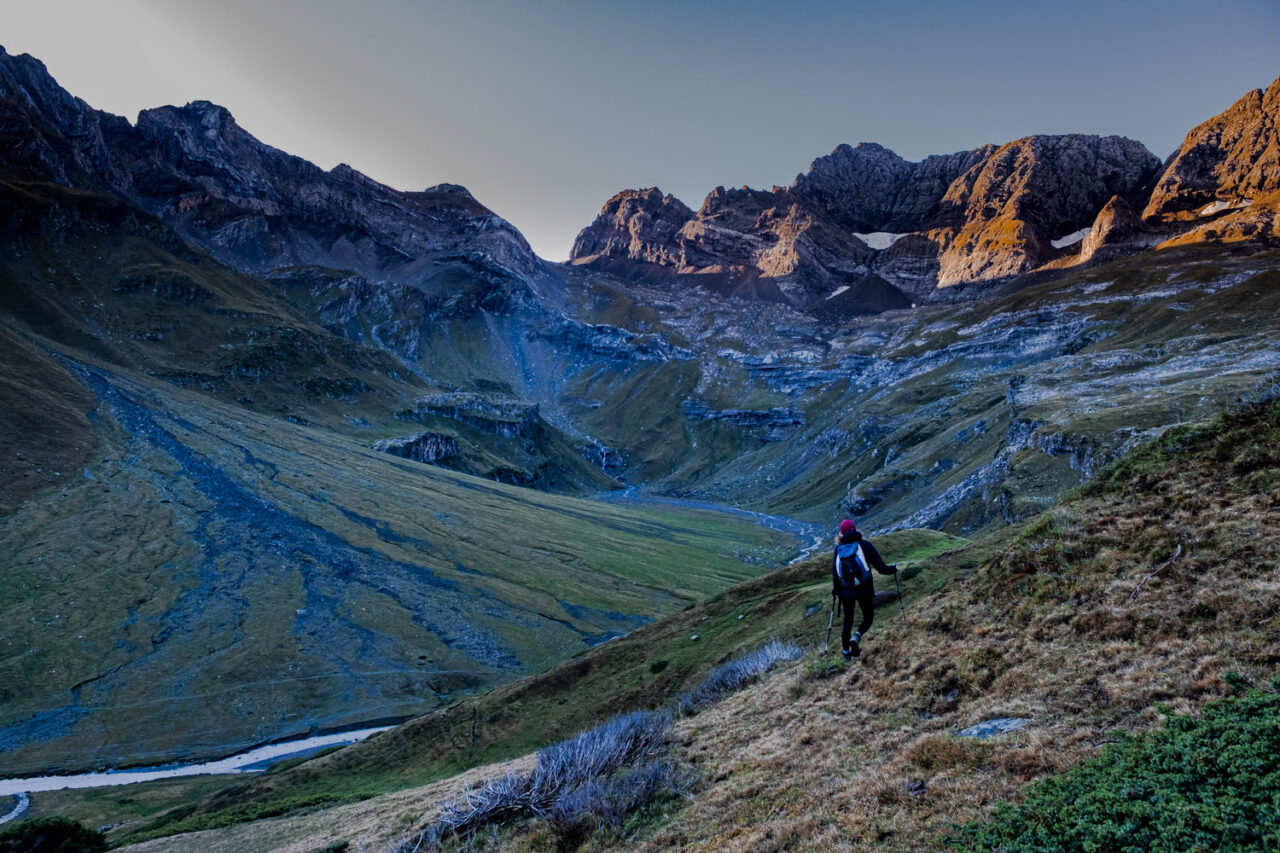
(546,108)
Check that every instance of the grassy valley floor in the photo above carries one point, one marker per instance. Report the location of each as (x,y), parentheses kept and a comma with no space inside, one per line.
(227,554)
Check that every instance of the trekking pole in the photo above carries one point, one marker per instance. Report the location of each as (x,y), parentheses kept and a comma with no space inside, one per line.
(901,603)
(830,620)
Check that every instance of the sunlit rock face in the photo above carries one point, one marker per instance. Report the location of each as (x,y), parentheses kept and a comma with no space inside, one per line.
(1224,163)
(999,219)
(843,227)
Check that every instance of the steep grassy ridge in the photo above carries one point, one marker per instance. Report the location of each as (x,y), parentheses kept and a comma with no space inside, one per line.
(42,421)
(212,578)
(98,276)
(1084,621)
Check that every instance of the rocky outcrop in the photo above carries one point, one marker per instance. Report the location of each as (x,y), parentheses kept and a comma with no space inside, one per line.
(429,448)
(1257,223)
(636,225)
(1116,231)
(502,439)
(505,418)
(1224,163)
(999,219)
(773,424)
(927,185)
(868,188)
(612,342)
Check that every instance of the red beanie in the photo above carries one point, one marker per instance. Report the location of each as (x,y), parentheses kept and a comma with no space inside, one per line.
(847,526)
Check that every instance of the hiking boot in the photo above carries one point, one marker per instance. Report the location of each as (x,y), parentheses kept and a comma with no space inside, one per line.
(854,649)
(847,654)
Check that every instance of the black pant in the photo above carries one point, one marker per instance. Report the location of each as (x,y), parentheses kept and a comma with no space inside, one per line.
(867,603)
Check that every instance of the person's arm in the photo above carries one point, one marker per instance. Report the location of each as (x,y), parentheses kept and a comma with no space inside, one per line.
(877,562)
(835,578)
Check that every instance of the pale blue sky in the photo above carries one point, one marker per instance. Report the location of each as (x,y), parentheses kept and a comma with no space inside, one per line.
(545,109)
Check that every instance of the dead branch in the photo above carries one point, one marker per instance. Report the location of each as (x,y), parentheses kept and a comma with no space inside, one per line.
(1177,552)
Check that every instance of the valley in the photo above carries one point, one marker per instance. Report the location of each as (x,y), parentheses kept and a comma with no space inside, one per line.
(288,452)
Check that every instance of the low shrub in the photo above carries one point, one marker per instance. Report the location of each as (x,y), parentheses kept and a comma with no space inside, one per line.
(821,666)
(598,777)
(336,847)
(50,835)
(576,783)
(607,801)
(1210,783)
(936,752)
(736,674)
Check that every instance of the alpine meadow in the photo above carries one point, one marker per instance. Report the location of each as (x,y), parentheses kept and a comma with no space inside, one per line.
(354,524)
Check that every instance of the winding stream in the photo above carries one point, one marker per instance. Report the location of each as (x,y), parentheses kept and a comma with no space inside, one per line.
(245,762)
(806,531)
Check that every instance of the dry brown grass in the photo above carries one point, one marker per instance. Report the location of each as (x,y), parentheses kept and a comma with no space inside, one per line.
(1049,629)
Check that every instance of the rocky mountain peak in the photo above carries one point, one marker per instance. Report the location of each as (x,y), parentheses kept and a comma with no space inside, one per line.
(1224,162)
(450,189)
(868,188)
(208,132)
(251,205)
(25,78)
(46,131)
(855,185)
(636,225)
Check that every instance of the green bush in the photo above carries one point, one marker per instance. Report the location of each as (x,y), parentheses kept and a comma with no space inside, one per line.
(184,820)
(818,667)
(336,847)
(50,835)
(1199,784)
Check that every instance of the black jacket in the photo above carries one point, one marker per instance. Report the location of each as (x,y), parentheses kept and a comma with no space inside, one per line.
(853,582)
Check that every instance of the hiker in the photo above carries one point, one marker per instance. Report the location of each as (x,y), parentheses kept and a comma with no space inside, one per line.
(851,582)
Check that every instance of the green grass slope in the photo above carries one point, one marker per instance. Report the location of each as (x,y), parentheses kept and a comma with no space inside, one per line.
(962,417)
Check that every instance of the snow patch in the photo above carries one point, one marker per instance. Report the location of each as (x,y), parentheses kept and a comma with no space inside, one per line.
(1069,239)
(879,240)
(1215,207)
(839,290)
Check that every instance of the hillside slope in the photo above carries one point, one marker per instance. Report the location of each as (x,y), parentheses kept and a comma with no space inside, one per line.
(1134,597)
(253,578)
(1143,591)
